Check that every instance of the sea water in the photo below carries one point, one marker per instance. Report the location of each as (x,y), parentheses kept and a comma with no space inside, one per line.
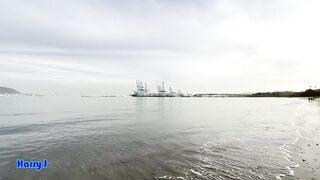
(152,138)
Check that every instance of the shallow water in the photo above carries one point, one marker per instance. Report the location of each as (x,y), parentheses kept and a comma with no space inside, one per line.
(152,138)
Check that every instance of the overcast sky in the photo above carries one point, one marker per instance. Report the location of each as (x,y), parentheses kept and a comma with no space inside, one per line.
(99,47)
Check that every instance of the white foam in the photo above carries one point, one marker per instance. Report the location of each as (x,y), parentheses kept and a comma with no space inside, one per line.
(291,172)
(196,172)
(278,177)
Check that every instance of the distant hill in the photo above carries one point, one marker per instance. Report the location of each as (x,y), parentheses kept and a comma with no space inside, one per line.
(307,93)
(277,94)
(5,90)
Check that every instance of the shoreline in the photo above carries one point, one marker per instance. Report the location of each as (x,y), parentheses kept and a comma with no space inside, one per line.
(306,150)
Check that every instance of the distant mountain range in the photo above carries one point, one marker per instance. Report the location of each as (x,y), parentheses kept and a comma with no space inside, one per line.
(5,90)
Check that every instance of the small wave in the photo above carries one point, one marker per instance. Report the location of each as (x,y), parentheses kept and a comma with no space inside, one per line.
(279,176)
(287,155)
(196,172)
(21,114)
(291,171)
(170,177)
(32,127)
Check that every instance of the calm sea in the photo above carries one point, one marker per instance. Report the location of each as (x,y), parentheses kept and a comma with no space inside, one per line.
(152,138)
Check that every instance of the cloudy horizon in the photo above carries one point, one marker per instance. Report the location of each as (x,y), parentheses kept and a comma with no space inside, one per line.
(102,47)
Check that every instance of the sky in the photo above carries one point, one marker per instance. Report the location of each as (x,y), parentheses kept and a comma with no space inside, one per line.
(100,47)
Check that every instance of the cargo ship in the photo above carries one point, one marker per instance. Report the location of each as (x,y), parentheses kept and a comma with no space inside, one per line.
(143,91)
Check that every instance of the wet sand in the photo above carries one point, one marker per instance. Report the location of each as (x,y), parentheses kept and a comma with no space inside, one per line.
(308,156)
(307,149)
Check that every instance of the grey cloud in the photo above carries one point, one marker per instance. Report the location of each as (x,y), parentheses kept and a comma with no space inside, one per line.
(204,43)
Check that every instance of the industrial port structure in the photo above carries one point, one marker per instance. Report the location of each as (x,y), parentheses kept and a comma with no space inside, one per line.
(143,91)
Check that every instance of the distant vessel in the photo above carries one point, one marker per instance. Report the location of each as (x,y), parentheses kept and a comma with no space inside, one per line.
(143,91)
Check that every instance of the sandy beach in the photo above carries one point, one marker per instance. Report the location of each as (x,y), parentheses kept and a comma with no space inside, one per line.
(307,149)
